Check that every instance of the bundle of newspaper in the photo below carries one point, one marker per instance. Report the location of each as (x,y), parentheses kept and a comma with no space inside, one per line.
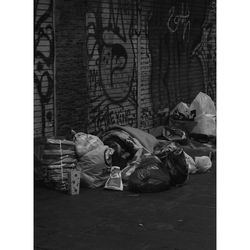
(58,160)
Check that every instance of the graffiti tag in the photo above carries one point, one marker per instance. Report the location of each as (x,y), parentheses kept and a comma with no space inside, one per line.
(106,117)
(43,75)
(179,18)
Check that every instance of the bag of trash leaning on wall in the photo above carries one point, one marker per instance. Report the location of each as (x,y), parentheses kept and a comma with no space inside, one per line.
(205,115)
(197,118)
(203,104)
(85,143)
(94,160)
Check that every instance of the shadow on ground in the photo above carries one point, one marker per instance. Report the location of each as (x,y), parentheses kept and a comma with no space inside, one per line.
(182,218)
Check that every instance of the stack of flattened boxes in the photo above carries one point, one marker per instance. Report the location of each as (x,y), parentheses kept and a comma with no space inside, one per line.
(59,165)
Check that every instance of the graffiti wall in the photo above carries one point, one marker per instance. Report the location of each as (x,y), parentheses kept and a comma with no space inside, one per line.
(206,51)
(43,68)
(146,111)
(144,56)
(119,62)
(182,43)
(112,63)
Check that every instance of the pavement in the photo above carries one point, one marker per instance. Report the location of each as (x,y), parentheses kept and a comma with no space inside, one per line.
(182,218)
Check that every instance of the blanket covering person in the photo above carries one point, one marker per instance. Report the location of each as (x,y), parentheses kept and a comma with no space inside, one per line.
(147,164)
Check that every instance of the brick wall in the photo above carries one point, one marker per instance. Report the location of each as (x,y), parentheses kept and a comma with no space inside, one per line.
(122,61)
(71,58)
(144,56)
(43,68)
(183,48)
(112,63)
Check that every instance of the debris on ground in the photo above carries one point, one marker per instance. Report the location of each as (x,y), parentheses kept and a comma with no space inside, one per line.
(115,180)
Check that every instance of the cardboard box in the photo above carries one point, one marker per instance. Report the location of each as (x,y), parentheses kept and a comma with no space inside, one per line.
(74,182)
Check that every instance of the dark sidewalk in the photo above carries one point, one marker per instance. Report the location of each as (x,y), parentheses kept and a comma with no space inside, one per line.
(178,219)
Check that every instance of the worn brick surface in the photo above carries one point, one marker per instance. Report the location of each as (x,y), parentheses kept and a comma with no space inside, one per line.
(71,86)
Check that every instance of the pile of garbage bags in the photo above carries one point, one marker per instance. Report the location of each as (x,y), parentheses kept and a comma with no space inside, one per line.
(131,159)
(123,158)
(126,158)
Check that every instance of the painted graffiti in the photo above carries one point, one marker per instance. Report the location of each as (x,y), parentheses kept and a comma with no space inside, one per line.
(112,72)
(106,117)
(177,50)
(146,114)
(145,20)
(111,46)
(146,117)
(44,58)
(206,50)
(170,58)
(182,53)
(175,47)
(179,18)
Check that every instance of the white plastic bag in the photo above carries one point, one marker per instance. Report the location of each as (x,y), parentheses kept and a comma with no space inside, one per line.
(191,164)
(203,163)
(181,108)
(205,125)
(203,104)
(86,142)
(94,167)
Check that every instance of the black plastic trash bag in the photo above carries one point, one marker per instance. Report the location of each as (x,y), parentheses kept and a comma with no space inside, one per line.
(134,163)
(173,158)
(150,176)
(178,168)
(163,148)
